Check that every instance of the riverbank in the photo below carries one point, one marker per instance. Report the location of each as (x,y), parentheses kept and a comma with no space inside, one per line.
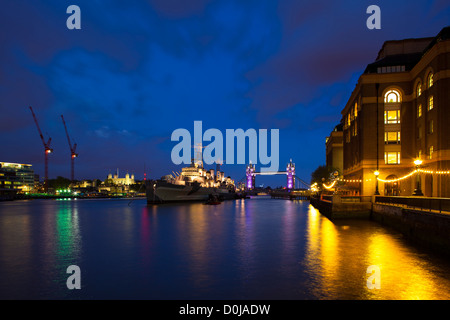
(429,229)
(68,197)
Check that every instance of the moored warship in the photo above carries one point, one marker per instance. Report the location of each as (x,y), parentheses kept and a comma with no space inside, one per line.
(195,183)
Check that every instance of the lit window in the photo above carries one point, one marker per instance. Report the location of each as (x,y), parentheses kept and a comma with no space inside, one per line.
(419,111)
(431,152)
(392,116)
(430,127)
(392,137)
(430,80)
(392,96)
(356,110)
(392,157)
(419,90)
(430,103)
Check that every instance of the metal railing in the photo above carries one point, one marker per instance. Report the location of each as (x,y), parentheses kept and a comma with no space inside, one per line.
(346,199)
(356,198)
(422,203)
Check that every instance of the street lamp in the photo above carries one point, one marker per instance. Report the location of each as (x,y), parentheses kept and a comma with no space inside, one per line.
(418,191)
(376,173)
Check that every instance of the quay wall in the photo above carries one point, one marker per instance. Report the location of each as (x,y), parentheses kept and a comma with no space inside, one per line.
(429,229)
(338,209)
(424,228)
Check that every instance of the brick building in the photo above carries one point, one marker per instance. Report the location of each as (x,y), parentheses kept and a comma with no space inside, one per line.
(400,112)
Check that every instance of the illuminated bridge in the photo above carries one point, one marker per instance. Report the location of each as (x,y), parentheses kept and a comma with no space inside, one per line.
(251,174)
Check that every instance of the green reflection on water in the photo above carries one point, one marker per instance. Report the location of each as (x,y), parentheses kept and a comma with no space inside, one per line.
(68,241)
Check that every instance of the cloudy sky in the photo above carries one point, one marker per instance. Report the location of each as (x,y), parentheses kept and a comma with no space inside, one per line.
(138,70)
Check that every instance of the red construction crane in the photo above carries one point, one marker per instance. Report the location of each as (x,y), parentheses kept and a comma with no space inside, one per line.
(47,149)
(73,155)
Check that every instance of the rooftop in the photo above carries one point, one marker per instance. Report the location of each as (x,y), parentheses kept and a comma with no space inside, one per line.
(403,55)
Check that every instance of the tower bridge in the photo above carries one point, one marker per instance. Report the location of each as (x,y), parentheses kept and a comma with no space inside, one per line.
(291,178)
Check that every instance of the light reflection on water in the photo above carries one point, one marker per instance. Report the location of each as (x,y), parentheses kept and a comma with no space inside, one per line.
(244,249)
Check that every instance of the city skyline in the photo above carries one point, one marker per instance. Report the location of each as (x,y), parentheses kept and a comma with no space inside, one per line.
(159,67)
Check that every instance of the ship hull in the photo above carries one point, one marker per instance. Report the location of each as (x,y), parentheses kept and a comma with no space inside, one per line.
(163,192)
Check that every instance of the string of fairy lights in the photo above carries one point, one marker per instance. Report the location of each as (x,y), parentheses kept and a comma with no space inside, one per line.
(438,172)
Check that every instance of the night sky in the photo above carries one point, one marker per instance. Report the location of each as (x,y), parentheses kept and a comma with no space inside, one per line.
(137,70)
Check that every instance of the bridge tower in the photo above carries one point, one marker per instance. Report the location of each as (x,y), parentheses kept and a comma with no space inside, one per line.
(290,173)
(250,173)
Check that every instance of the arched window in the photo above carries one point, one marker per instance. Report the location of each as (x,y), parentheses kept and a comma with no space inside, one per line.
(419,90)
(392,188)
(392,96)
(430,80)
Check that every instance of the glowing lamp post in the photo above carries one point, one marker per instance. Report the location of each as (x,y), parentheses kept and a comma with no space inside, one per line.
(418,191)
(376,173)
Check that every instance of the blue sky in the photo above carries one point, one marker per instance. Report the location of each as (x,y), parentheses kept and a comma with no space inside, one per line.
(137,70)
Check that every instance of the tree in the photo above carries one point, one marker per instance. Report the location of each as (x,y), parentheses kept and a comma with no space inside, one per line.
(59,183)
(109,182)
(139,186)
(323,172)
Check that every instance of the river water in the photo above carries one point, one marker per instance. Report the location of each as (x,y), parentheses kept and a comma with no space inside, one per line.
(257,248)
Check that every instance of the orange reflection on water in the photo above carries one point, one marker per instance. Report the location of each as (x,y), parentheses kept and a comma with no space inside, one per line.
(339,253)
(402,277)
(193,228)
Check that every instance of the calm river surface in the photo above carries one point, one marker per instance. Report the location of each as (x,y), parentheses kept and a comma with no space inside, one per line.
(246,249)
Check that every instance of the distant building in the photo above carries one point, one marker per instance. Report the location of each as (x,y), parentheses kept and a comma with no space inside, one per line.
(85,184)
(17,176)
(400,112)
(128,180)
(335,149)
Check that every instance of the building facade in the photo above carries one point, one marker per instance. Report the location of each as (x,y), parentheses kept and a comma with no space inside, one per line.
(398,113)
(335,149)
(128,180)
(16,176)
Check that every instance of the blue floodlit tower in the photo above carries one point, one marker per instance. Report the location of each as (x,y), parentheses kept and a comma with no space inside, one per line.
(250,173)
(290,172)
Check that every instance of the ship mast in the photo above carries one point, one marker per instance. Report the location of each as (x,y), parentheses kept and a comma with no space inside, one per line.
(198,154)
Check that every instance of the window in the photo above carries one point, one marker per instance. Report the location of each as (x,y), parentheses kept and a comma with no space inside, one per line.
(392,116)
(431,152)
(356,110)
(392,96)
(355,129)
(420,154)
(419,132)
(430,103)
(430,127)
(419,90)
(419,111)
(430,80)
(392,157)
(392,137)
